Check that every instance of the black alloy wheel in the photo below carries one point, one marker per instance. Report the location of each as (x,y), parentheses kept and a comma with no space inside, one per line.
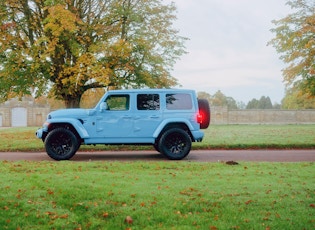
(175,144)
(61,144)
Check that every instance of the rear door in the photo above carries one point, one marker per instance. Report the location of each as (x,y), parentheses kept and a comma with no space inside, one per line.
(148,114)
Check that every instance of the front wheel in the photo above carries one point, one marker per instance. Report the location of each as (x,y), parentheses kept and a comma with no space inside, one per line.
(61,144)
(175,144)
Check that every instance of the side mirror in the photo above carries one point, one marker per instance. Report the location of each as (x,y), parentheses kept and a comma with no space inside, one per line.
(103,106)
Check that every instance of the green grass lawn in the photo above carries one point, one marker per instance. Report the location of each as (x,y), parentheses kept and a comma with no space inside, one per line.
(162,195)
(259,136)
(216,136)
(156,195)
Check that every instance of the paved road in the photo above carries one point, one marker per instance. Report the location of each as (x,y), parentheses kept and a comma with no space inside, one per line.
(195,155)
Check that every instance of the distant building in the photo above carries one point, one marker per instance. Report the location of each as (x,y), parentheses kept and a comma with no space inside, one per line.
(22,113)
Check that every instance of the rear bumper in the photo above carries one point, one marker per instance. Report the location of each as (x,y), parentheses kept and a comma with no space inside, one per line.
(197,135)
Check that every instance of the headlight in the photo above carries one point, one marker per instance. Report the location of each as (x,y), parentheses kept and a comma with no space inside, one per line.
(46,126)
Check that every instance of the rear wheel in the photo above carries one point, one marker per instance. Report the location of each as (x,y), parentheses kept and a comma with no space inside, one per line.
(175,144)
(61,144)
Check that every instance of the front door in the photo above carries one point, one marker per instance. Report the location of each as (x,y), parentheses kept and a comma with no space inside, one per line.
(115,122)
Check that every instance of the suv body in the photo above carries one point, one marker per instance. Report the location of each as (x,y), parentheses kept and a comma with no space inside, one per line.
(168,119)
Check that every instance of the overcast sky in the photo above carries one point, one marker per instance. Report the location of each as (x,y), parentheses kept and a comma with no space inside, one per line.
(228,49)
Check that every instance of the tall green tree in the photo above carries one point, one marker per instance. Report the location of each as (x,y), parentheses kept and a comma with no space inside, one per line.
(71,46)
(262,103)
(265,103)
(253,104)
(295,41)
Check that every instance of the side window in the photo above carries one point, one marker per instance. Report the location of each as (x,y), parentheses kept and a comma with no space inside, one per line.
(118,102)
(178,101)
(148,102)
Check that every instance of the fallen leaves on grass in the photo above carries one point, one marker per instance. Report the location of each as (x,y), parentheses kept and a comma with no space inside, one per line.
(128,220)
(207,196)
(54,215)
(248,202)
(231,163)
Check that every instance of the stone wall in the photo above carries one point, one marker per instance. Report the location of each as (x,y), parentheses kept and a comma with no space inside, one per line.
(26,113)
(16,113)
(221,115)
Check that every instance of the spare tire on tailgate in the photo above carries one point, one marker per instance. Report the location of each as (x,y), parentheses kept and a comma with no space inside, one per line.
(204,113)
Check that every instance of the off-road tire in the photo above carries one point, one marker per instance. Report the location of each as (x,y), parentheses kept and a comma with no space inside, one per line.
(175,144)
(61,144)
(204,109)
(156,147)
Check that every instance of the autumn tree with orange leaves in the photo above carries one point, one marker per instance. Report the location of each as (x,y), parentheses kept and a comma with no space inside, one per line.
(295,41)
(68,47)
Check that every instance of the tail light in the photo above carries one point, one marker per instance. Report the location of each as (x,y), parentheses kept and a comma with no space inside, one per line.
(200,117)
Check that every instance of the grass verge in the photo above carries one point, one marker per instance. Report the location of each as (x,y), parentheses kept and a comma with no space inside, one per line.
(216,137)
(156,195)
(258,136)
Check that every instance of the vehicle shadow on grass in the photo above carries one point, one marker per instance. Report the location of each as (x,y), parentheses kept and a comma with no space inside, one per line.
(118,156)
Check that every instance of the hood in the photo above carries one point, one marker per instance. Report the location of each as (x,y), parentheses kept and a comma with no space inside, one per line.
(70,113)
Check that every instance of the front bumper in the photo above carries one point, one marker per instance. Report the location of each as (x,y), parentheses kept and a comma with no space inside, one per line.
(42,132)
(39,133)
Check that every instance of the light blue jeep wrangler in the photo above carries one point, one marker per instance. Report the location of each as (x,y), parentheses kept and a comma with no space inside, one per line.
(168,119)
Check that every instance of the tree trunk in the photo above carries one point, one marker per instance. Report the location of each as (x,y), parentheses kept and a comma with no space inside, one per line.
(72,102)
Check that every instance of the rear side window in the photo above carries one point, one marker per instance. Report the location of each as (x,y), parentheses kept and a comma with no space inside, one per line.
(178,101)
(148,102)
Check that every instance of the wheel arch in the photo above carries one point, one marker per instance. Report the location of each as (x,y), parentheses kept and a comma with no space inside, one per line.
(65,126)
(73,125)
(180,125)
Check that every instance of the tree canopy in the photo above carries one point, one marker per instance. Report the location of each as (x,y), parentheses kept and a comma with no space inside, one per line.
(295,98)
(295,41)
(71,46)
(262,103)
(218,99)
